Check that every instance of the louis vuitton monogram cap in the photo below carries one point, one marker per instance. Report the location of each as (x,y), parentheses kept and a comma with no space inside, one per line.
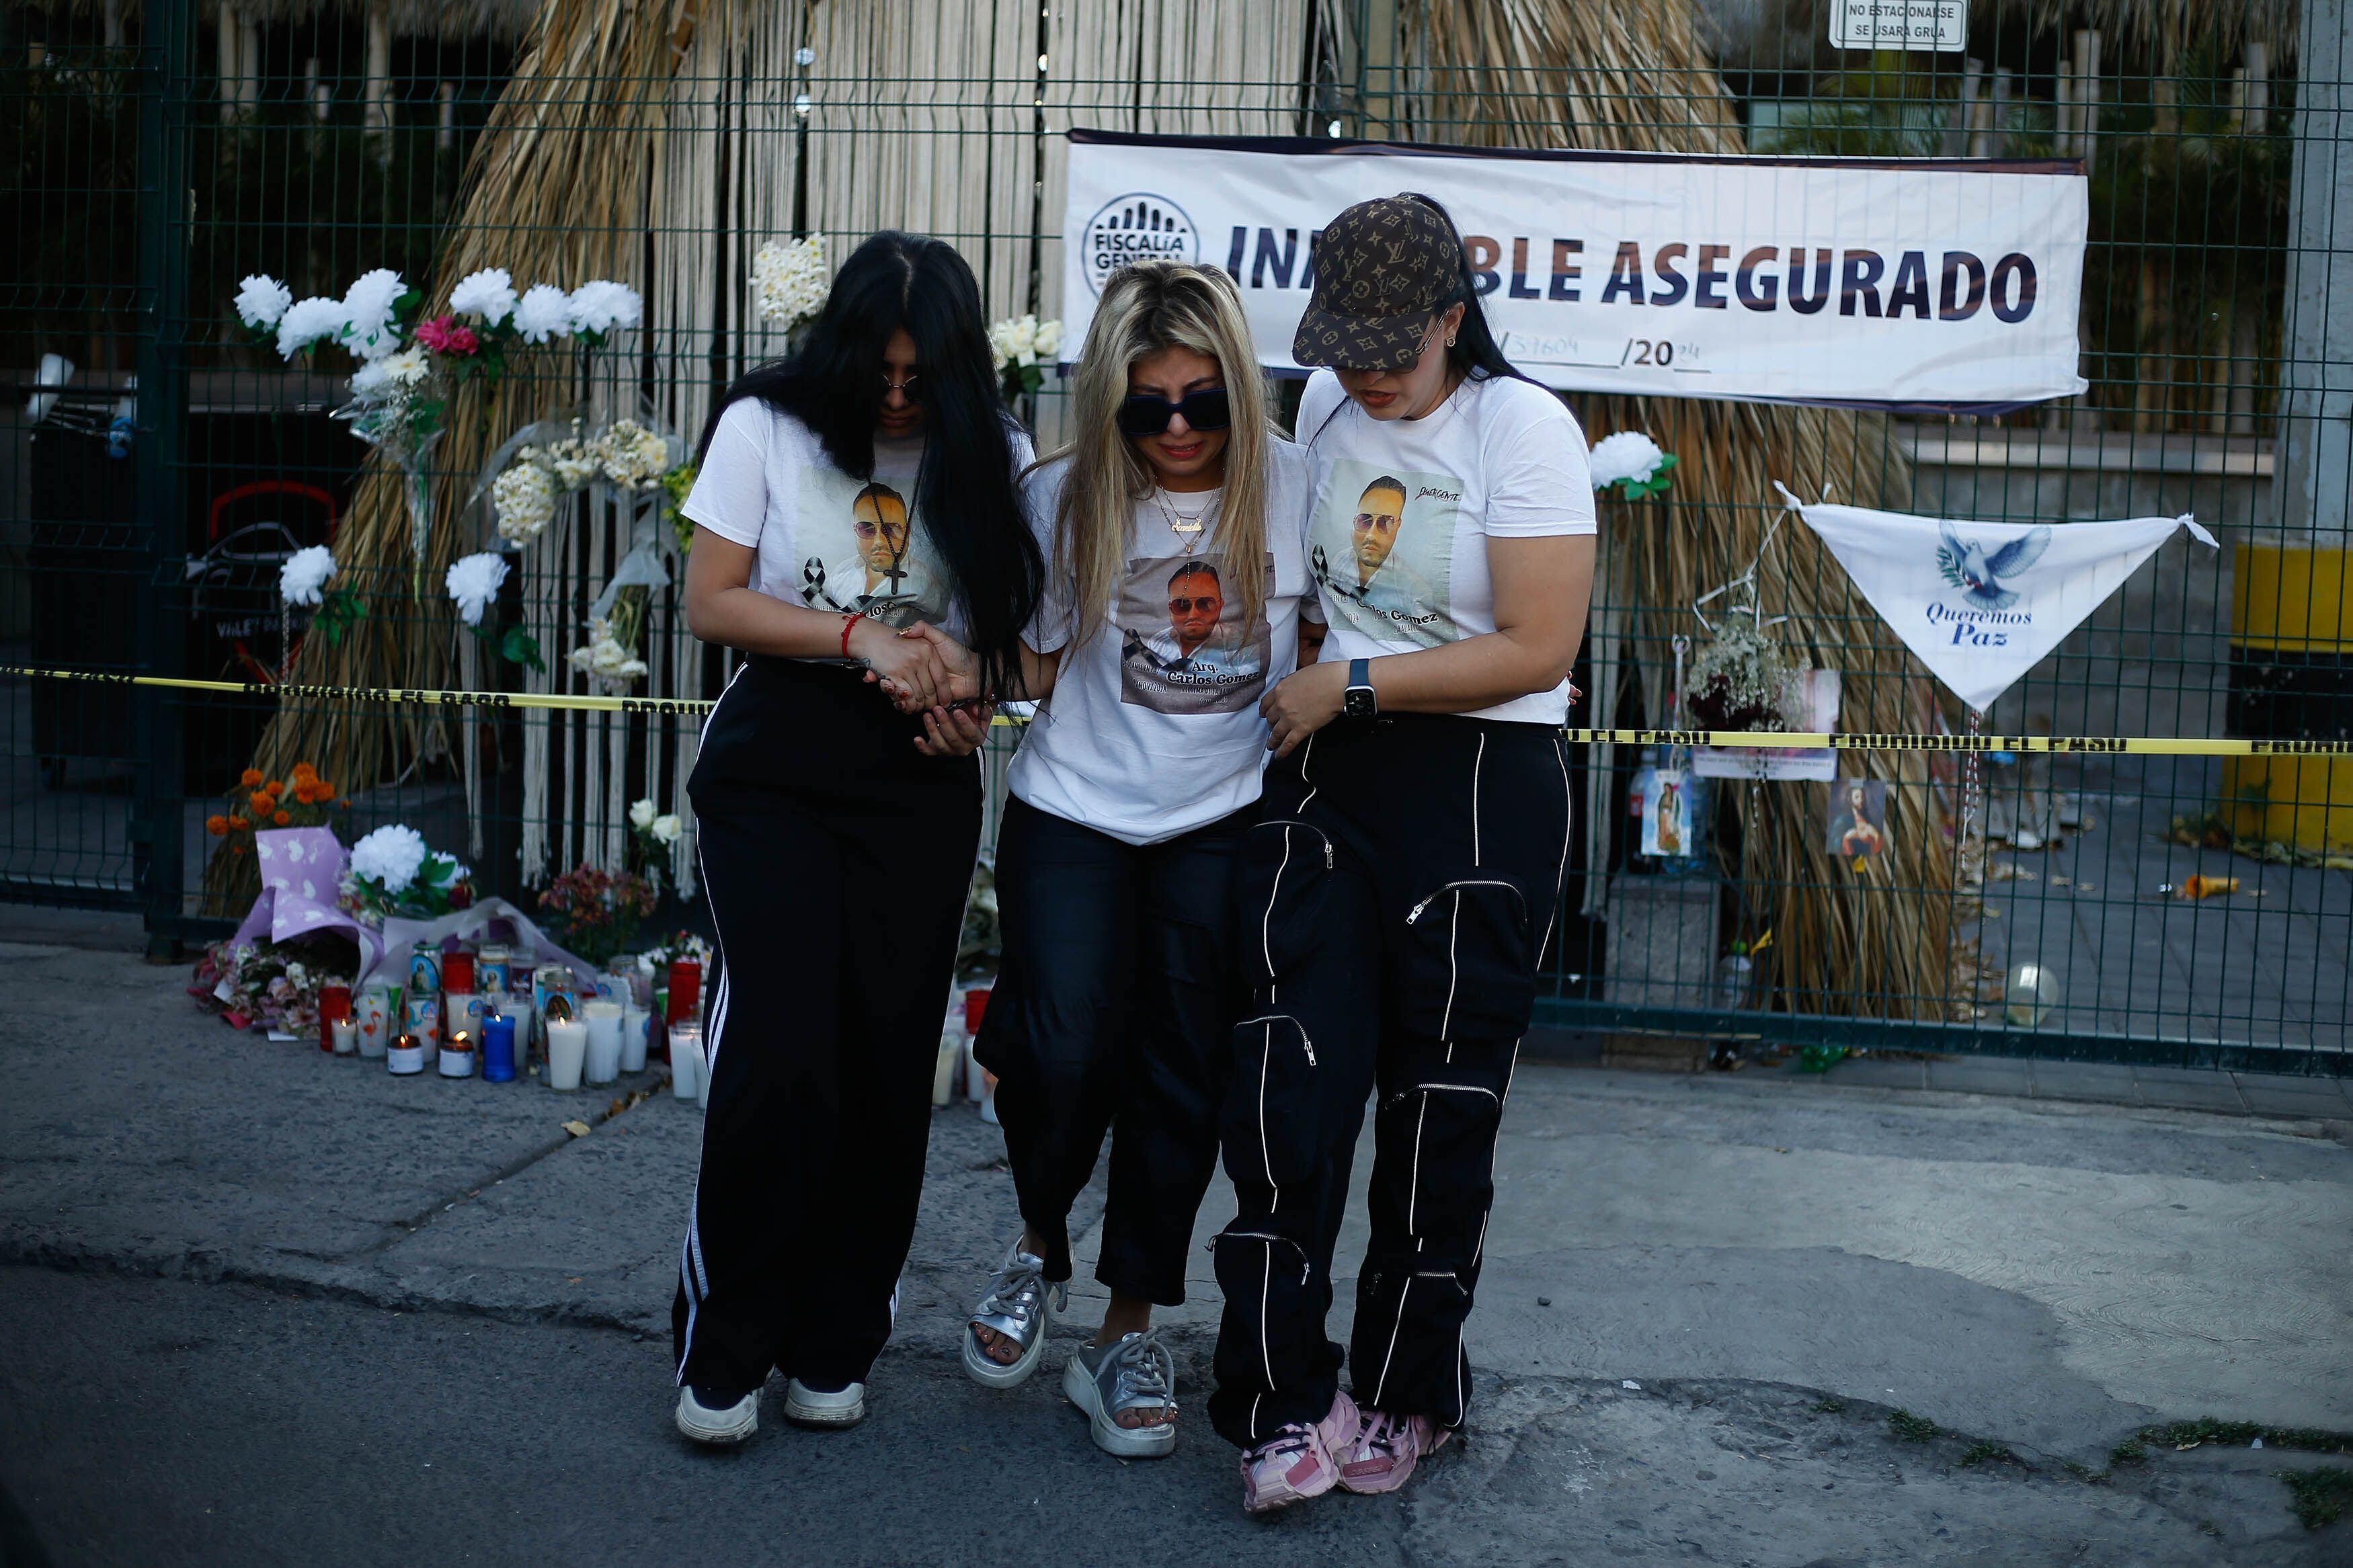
(1383,269)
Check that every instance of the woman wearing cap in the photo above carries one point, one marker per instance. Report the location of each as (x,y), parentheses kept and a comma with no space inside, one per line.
(1175,527)
(1400,887)
(852,501)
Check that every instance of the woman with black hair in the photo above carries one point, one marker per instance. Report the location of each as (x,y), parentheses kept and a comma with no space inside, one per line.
(1399,885)
(858,528)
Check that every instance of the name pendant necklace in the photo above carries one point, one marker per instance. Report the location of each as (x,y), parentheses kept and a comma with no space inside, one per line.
(1184,526)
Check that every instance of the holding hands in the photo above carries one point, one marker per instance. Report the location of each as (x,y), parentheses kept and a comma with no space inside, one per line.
(923,671)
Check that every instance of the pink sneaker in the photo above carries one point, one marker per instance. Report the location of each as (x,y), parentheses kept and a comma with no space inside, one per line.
(1385,1451)
(1297,1462)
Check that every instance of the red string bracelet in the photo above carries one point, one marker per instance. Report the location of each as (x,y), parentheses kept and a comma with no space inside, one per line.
(849,624)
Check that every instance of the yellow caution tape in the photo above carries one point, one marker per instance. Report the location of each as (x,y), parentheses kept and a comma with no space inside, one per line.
(1728,740)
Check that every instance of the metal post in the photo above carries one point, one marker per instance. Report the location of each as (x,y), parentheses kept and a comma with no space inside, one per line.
(2315,473)
(167,53)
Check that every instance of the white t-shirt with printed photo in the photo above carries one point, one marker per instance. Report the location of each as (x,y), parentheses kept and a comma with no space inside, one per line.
(1404,508)
(1153,728)
(823,538)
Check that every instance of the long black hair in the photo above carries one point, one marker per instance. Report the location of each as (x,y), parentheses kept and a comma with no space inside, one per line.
(965,497)
(1473,354)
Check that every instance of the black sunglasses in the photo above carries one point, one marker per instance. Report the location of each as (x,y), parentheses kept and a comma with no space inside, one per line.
(1204,410)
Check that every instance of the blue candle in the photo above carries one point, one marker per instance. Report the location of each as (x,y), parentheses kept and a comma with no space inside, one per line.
(498,1049)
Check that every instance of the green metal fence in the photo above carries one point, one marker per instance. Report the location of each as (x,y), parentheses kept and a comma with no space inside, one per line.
(161,465)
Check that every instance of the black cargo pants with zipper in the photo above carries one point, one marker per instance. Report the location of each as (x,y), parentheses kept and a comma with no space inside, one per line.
(1396,894)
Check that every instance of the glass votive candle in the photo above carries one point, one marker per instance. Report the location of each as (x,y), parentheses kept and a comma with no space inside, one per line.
(567,1052)
(345,1035)
(686,1060)
(604,1057)
(634,1023)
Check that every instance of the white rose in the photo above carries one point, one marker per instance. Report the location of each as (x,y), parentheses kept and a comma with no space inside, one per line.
(641,814)
(668,828)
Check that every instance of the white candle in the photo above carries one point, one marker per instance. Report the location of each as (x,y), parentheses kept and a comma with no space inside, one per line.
(567,1052)
(686,1060)
(603,1021)
(633,1039)
(346,1037)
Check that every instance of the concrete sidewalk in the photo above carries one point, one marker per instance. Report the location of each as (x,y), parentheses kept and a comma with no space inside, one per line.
(1778,1266)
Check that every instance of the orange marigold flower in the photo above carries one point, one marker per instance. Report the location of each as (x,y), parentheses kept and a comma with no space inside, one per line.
(273,789)
(238,823)
(250,778)
(326,790)
(262,802)
(280,818)
(216,826)
(303,773)
(236,848)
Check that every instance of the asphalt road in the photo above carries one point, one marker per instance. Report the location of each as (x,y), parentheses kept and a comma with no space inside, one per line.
(161,1423)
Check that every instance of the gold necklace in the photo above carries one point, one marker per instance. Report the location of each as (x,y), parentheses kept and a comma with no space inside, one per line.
(1184,526)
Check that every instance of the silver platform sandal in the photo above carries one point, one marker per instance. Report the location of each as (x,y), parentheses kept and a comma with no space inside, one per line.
(1019,1306)
(1135,1374)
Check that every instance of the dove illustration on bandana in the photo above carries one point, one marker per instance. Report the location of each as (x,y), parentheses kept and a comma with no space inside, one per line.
(1968,567)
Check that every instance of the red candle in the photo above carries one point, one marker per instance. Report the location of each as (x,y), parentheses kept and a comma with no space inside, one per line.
(334,1002)
(685,991)
(976,1004)
(457,971)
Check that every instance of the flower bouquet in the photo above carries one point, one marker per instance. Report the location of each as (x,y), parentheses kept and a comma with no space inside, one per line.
(790,282)
(274,984)
(391,873)
(1022,347)
(599,911)
(1740,680)
(301,799)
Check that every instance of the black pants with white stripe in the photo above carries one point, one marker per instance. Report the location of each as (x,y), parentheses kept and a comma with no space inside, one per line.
(1397,895)
(1115,1007)
(837,859)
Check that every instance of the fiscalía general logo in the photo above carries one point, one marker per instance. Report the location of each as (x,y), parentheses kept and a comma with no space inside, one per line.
(1138,227)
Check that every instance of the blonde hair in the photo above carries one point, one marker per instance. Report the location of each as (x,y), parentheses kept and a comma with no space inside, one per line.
(1145,307)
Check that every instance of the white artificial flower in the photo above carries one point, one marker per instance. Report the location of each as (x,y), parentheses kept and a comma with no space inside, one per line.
(372,380)
(261,301)
(1628,454)
(524,499)
(306,321)
(408,368)
(666,827)
(370,330)
(790,282)
(599,305)
(391,855)
(546,312)
(305,573)
(1049,339)
(474,581)
(642,814)
(489,294)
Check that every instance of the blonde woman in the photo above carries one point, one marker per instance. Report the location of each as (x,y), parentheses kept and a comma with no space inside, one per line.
(1174,524)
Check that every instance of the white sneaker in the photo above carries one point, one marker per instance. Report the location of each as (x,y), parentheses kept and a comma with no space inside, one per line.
(719,1423)
(805,1406)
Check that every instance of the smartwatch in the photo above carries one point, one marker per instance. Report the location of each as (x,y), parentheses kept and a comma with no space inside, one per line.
(1361,701)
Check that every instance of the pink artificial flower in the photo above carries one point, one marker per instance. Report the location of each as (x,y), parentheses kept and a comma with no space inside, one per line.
(443,335)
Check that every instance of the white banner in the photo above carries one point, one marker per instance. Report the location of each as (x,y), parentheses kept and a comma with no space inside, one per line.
(1982,603)
(1923,282)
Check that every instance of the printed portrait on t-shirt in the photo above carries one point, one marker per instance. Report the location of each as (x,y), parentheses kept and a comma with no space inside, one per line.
(1183,646)
(861,551)
(1382,549)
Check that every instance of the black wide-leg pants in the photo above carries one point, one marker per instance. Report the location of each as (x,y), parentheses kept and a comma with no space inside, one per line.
(1396,894)
(1114,1012)
(836,858)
